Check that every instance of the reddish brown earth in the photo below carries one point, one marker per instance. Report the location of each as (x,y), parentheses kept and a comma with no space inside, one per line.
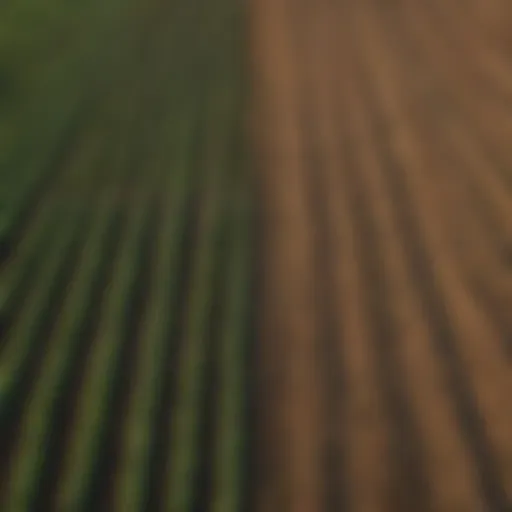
(383,135)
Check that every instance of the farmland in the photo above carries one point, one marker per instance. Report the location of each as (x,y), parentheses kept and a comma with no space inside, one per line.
(125,272)
(256,256)
(382,133)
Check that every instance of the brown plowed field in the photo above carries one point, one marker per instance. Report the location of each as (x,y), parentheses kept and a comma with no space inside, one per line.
(383,135)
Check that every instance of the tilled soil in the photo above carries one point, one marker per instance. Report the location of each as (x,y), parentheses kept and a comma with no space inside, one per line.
(383,140)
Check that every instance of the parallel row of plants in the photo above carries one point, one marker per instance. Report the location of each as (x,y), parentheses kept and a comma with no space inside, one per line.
(125,281)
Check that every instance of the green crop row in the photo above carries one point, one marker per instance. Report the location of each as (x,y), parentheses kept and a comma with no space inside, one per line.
(37,423)
(39,233)
(101,366)
(178,188)
(67,222)
(150,124)
(222,113)
(228,485)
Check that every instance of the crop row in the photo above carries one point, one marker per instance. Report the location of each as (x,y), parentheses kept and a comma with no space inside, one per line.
(125,232)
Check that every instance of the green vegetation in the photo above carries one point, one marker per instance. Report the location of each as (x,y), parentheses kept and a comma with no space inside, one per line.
(125,256)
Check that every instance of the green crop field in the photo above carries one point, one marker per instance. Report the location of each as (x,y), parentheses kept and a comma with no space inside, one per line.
(255,256)
(125,256)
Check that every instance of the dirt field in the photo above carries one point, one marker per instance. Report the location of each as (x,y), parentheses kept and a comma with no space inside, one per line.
(383,138)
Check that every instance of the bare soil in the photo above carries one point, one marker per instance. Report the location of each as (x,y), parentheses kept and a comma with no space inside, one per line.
(382,135)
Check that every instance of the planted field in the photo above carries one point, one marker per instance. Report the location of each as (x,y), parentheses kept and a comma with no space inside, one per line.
(332,332)
(125,258)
